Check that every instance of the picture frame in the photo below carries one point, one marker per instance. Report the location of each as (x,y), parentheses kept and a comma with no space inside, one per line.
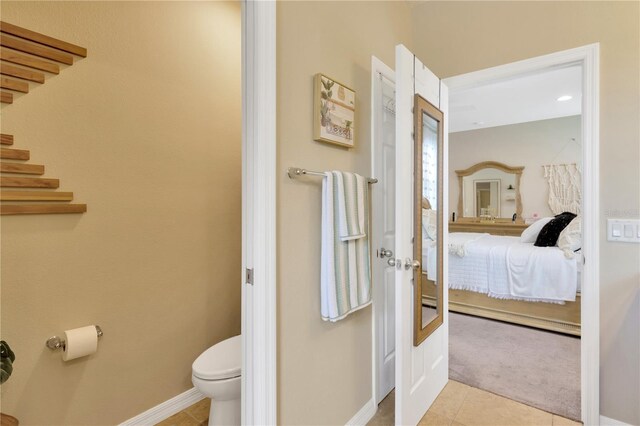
(334,110)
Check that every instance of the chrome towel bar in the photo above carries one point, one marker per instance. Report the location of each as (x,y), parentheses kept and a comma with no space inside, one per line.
(295,172)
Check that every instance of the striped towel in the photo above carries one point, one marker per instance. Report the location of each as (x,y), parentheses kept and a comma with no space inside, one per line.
(345,279)
(351,190)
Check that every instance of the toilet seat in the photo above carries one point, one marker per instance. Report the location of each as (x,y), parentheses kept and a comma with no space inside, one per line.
(221,361)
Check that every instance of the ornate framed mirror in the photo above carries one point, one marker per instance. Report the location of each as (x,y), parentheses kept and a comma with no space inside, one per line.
(490,191)
(428,219)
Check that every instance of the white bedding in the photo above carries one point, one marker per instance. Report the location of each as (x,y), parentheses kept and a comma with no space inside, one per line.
(504,268)
(458,242)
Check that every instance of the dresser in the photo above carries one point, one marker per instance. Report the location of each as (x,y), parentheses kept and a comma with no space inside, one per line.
(498,228)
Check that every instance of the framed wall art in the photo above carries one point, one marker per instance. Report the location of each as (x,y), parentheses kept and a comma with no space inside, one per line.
(333,112)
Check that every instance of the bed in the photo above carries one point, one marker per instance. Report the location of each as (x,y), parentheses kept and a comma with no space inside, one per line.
(499,277)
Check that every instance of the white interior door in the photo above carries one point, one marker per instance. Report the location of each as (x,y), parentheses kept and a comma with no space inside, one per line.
(422,371)
(384,157)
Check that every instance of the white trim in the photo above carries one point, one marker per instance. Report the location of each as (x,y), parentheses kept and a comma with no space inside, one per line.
(588,57)
(606,421)
(259,374)
(377,66)
(365,414)
(590,347)
(165,410)
(565,58)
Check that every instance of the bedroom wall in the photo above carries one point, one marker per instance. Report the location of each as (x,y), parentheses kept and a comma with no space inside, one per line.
(143,130)
(530,145)
(324,369)
(467,36)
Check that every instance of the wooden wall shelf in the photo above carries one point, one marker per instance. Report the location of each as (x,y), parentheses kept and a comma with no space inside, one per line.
(28,61)
(6,139)
(12,209)
(35,50)
(35,196)
(14,154)
(17,31)
(25,169)
(27,57)
(16,85)
(6,97)
(23,73)
(18,190)
(28,182)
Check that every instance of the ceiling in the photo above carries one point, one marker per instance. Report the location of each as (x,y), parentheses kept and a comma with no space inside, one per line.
(528,98)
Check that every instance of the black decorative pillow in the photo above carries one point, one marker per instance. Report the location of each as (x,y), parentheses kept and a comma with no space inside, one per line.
(548,236)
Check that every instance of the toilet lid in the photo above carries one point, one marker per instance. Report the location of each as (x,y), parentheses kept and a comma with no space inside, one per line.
(221,361)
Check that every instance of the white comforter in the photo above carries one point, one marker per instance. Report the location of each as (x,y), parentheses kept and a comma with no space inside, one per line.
(505,268)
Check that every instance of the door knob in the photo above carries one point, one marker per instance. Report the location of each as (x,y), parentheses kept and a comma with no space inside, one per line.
(385,253)
(394,262)
(410,263)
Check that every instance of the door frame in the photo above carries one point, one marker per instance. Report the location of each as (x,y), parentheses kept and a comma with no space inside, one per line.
(377,67)
(588,57)
(259,362)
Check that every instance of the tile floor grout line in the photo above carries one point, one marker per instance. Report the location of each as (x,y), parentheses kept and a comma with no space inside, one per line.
(466,394)
(513,400)
(194,419)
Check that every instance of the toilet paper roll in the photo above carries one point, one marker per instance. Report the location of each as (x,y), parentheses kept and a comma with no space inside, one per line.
(80,342)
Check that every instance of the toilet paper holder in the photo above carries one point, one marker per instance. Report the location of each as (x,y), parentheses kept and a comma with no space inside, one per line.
(56,342)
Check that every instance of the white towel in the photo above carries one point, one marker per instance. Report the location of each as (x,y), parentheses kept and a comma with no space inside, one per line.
(345,278)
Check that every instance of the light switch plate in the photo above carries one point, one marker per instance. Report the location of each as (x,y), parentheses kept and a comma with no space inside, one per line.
(623,230)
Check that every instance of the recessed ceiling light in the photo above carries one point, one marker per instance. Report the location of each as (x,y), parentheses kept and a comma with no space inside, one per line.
(564,98)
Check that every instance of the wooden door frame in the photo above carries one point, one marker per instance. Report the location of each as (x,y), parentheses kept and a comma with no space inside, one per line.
(588,58)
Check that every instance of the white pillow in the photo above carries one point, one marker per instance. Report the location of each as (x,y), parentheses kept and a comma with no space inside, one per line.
(429,224)
(530,234)
(570,238)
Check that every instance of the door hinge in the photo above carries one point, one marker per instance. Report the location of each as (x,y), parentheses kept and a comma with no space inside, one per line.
(249,276)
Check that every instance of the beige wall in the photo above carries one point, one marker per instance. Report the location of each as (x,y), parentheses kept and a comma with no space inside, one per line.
(324,369)
(531,145)
(146,131)
(458,37)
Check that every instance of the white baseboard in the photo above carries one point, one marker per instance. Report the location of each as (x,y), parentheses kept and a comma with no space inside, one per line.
(165,410)
(365,414)
(606,421)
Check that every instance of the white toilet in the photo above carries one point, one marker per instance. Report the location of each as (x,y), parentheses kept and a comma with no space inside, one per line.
(216,374)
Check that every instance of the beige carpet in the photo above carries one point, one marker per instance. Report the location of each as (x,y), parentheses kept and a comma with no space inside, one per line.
(535,367)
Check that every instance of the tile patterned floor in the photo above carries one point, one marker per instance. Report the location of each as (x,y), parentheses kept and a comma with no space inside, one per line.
(462,405)
(196,415)
(457,405)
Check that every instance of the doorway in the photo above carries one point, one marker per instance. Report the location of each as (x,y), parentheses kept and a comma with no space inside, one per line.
(529,356)
(587,59)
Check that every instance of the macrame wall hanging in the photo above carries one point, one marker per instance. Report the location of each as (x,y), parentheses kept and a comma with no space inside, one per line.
(565,183)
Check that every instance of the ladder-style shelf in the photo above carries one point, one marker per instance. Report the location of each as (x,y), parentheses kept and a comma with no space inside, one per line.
(18,190)
(25,54)
(26,58)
